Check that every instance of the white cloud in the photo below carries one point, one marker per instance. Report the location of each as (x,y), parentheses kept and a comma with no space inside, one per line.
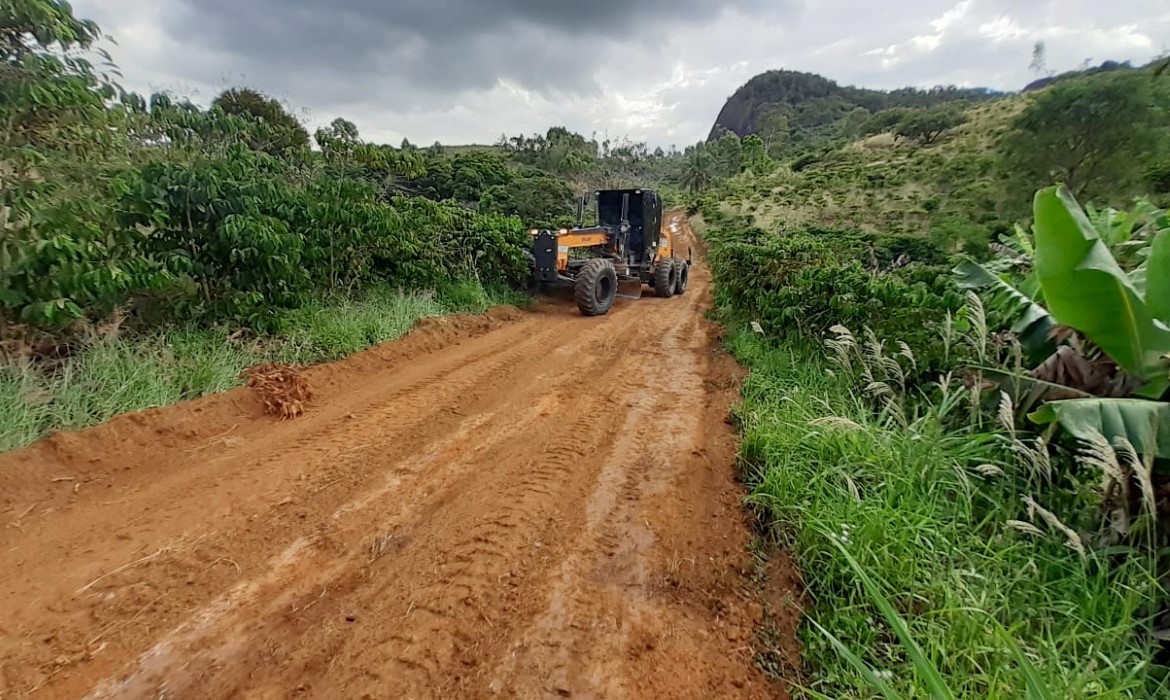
(951,16)
(1002,29)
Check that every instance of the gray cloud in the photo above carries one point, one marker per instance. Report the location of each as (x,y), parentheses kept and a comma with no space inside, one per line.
(469,70)
(437,47)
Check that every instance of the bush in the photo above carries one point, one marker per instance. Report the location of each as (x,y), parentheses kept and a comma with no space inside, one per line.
(803,283)
(538,199)
(928,125)
(883,121)
(1159,177)
(244,242)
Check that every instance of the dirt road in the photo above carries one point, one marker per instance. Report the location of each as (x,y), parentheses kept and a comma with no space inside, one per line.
(526,504)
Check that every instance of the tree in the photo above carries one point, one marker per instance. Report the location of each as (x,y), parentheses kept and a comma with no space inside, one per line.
(926,125)
(772,126)
(1161,66)
(727,153)
(283,131)
(696,175)
(340,136)
(43,83)
(885,121)
(1087,133)
(1039,64)
(558,151)
(755,155)
(61,254)
(850,125)
(537,198)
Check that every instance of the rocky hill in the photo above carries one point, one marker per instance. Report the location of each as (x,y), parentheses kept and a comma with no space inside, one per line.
(795,101)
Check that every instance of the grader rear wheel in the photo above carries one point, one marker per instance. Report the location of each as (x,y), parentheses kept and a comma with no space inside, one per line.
(682,277)
(665,279)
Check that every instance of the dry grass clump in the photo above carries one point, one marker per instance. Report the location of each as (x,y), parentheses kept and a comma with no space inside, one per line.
(282,388)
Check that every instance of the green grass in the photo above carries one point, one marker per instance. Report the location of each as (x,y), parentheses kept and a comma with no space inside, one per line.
(890,519)
(124,374)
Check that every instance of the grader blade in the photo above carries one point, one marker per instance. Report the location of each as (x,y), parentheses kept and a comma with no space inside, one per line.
(629,288)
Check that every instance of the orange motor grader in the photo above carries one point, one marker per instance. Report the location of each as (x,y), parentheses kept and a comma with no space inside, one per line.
(628,248)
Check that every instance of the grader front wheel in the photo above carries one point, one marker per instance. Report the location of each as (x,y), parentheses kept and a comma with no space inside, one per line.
(596,288)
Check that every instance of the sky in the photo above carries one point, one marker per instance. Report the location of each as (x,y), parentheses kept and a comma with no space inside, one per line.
(468,71)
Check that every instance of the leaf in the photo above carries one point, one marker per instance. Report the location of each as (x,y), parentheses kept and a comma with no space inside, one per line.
(923,667)
(1087,290)
(1024,241)
(1158,283)
(1070,367)
(1035,684)
(1033,324)
(858,665)
(1146,424)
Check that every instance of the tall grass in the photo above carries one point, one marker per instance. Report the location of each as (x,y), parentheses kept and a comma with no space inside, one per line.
(919,515)
(124,374)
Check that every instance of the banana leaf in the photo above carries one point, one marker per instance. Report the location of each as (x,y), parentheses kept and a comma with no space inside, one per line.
(1146,424)
(1157,268)
(1032,322)
(1085,289)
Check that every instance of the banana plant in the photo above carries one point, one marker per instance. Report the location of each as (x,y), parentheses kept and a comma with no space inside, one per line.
(1085,289)
(1145,424)
(1125,314)
(1032,323)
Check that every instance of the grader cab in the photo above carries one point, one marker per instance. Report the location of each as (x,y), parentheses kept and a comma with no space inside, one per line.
(628,248)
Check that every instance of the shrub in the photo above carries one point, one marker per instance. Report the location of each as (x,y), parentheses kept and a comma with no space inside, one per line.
(1159,177)
(805,282)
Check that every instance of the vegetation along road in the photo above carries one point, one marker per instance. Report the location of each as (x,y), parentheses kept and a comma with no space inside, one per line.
(525,504)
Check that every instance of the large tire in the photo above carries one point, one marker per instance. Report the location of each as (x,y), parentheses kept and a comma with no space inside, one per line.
(665,277)
(682,277)
(596,287)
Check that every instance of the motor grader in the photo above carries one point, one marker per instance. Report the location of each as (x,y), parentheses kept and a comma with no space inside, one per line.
(628,248)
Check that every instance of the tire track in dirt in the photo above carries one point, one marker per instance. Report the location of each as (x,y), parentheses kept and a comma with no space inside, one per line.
(539,506)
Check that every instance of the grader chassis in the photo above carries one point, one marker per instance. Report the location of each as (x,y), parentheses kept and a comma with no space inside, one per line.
(628,248)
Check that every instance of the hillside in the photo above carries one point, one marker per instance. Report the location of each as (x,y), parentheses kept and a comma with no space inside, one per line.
(871,171)
(903,368)
(780,100)
(946,191)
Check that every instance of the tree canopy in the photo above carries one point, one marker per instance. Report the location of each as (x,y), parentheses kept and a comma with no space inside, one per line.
(285,131)
(1086,133)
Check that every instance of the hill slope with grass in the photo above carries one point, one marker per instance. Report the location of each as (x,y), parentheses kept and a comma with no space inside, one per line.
(947,191)
(959,173)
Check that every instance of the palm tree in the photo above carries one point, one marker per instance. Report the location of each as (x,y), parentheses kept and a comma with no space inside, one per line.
(696,176)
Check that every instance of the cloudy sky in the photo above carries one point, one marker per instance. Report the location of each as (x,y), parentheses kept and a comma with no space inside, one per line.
(464,71)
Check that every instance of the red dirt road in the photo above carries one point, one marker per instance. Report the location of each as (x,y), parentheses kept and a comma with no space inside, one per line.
(521,505)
